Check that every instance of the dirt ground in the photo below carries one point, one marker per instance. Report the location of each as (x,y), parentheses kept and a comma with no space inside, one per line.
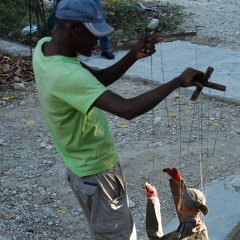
(200,139)
(37,204)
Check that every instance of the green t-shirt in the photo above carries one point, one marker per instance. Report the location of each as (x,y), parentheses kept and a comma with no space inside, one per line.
(79,131)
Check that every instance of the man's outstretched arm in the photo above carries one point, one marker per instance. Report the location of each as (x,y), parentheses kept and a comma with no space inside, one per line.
(136,106)
(144,48)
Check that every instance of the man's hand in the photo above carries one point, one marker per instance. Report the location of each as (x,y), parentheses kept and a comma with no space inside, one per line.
(150,190)
(145,47)
(173,173)
(191,77)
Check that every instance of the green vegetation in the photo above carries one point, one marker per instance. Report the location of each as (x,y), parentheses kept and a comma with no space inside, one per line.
(126,16)
(13,16)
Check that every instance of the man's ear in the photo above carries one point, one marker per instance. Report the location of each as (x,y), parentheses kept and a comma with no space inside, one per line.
(71,27)
(75,27)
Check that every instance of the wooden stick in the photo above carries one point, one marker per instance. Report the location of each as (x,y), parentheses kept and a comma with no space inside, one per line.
(207,84)
(161,37)
(216,86)
(198,90)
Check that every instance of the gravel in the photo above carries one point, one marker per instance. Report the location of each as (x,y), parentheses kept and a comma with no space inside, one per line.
(216,21)
(35,202)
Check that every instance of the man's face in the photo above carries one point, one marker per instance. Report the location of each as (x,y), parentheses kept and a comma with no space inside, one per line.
(83,41)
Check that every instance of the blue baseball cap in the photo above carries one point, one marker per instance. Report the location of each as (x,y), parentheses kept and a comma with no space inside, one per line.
(85,11)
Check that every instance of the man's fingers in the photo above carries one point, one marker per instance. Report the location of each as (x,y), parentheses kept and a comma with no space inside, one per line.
(148,51)
(149,42)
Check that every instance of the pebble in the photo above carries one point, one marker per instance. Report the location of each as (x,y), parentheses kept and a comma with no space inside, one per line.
(19,86)
(16,79)
(132,204)
(49,147)
(153,24)
(22,103)
(43,145)
(4,103)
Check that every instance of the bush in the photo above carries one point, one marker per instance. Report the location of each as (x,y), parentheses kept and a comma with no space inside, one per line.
(126,15)
(132,20)
(13,16)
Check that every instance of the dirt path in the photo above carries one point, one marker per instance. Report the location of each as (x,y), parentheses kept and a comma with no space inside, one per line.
(37,204)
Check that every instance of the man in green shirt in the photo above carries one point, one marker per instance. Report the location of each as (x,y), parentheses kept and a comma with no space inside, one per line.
(74,97)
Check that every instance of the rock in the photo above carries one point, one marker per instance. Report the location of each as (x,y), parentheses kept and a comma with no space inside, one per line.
(19,86)
(16,79)
(22,103)
(49,147)
(153,24)
(131,204)
(4,103)
(43,145)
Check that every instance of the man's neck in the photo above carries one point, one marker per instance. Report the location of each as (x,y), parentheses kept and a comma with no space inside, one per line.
(58,46)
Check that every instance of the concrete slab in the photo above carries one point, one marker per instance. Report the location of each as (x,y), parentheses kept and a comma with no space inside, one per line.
(223,198)
(14,48)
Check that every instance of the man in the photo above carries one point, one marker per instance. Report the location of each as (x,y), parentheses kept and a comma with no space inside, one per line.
(104,41)
(189,203)
(73,97)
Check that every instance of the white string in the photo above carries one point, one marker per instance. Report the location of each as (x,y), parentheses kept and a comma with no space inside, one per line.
(165,100)
(219,121)
(153,124)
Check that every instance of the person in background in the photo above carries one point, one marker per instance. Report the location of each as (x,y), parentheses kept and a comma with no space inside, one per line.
(189,203)
(104,41)
(74,97)
(51,20)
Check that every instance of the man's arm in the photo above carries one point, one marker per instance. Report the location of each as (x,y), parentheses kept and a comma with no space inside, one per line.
(136,106)
(144,48)
(111,74)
